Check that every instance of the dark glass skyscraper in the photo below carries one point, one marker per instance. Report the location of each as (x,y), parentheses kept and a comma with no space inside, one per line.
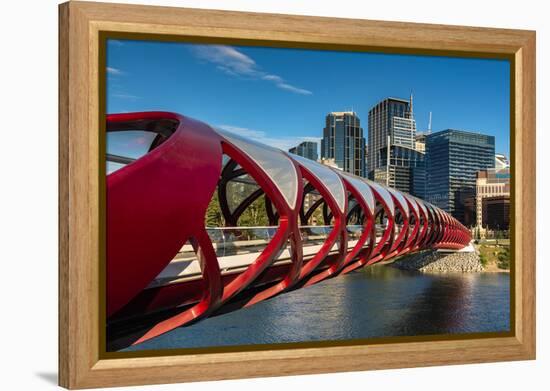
(392,130)
(343,141)
(307,149)
(453,158)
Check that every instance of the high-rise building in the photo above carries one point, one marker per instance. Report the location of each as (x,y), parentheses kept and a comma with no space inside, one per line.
(490,183)
(344,142)
(307,149)
(366,158)
(392,155)
(470,215)
(420,142)
(418,177)
(453,158)
(496,212)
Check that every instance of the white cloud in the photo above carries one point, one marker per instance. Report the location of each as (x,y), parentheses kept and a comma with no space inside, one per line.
(273,78)
(235,63)
(284,143)
(227,59)
(114,71)
(291,88)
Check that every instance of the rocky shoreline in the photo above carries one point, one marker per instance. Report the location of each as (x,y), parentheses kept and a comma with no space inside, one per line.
(436,262)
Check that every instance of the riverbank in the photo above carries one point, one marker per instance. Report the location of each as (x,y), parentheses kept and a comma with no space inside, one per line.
(436,262)
(495,257)
(431,261)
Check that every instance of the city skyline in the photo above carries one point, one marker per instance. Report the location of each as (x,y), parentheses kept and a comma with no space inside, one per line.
(254,91)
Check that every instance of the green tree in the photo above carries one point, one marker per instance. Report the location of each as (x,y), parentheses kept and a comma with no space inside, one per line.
(316,217)
(483,260)
(504,259)
(255,215)
(214,216)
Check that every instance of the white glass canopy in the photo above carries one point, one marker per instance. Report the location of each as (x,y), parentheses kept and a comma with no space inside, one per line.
(363,189)
(422,206)
(413,202)
(327,177)
(385,194)
(273,162)
(417,204)
(401,199)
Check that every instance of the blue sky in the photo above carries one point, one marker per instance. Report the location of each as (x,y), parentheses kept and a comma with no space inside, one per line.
(281,96)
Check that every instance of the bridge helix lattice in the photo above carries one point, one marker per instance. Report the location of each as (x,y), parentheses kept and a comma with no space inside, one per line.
(157,203)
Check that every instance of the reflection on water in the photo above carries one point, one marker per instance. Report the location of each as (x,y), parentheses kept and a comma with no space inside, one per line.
(378,301)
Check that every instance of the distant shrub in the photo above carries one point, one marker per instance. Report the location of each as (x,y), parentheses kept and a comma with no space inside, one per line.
(504,259)
(482,260)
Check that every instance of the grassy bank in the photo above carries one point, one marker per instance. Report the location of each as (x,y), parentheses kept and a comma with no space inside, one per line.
(494,257)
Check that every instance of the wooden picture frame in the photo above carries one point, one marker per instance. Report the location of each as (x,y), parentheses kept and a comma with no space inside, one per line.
(82,363)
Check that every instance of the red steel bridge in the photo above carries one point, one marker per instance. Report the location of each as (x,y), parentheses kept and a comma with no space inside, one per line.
(162,258)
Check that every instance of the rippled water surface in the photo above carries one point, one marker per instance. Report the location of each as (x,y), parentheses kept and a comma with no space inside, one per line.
(378,301)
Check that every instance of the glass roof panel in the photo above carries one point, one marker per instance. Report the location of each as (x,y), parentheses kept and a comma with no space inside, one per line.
(363,189)
(129,143)
(442,214)
(413,202)
(422,205)
(438,214)
(401,199)
(328,177)
(274,163)
(384,193)
(430,210)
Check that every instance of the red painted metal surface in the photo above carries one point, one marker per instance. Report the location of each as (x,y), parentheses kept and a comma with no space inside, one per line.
(158,202)
(151,212)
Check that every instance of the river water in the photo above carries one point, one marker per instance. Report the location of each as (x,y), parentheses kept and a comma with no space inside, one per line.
(376,301)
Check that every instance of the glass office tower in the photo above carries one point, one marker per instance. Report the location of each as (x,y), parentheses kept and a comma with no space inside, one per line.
(343,141)
(391,121)
(453,158)
(307,149)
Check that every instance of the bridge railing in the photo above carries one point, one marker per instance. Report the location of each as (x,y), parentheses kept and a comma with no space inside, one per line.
(230,241)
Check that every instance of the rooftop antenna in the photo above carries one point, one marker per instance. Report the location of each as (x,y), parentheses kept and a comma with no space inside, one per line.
(430,124)
(411,105)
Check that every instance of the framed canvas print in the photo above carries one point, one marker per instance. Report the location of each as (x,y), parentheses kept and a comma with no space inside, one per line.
(247,195)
